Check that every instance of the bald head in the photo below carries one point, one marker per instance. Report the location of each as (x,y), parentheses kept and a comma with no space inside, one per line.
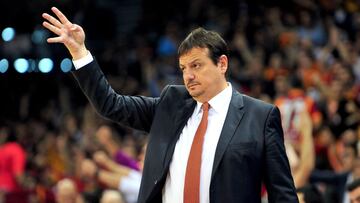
(111,196)
(66,191)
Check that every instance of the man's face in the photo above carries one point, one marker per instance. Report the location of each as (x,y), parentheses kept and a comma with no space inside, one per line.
(355,195)
(103,135)
(202,78)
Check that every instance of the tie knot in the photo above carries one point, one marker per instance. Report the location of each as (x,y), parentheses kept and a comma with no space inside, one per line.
(205,106)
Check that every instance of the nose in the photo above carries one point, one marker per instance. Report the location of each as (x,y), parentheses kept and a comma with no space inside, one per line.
(188,76)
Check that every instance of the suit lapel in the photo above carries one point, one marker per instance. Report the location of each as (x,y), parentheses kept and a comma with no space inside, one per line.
(182,114)
(232,121)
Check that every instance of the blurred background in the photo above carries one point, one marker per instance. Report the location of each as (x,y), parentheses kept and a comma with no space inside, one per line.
(302,55)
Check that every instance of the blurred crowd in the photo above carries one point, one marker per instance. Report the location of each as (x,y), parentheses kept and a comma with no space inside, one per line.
(302,55)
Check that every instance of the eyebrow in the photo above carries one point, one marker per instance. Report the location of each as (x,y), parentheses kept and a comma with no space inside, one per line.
(194,61)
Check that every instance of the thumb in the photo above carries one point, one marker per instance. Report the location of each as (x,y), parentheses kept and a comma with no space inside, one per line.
(75,27)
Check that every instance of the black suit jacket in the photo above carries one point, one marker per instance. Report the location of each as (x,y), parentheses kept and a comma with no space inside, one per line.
(250,149)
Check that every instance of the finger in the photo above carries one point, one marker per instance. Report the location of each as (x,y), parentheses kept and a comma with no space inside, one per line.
(52,28)
(60,15)
(55,40)
(52,20)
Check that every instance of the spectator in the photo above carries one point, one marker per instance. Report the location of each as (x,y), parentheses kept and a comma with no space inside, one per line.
(115,176)
(316,41)
(12,162)
(338,181)
(66,192)
(111,143)
(111,196)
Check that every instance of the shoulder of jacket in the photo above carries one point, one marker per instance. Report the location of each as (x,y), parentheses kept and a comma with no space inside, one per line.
(256,102)
(175,91)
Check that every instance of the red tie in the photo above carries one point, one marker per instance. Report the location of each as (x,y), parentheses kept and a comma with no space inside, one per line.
(192,176)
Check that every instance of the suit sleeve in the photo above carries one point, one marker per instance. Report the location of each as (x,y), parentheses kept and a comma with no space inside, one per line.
(278,179)
(133,111)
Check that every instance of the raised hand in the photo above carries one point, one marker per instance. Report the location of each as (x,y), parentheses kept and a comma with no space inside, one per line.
(88,168)
(100,157)
(71,35)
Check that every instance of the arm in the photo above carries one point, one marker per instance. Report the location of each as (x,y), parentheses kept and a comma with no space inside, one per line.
(90,170)
(128,184)
(102,159)
(136,112)
(307,153)
(327,176)
(278,179)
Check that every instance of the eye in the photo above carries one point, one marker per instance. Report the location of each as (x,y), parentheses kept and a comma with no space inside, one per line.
(196,65)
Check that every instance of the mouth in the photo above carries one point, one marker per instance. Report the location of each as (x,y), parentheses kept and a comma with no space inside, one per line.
(190,86)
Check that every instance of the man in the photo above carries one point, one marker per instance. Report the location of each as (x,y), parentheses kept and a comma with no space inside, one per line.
(111,196)
(113,175)
(66,192)
(354,191)
(336,182)
(107,139)
(207,142)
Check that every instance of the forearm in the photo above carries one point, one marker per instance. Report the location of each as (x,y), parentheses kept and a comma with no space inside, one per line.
(116,168)
(307,155)
(136,112)
(109,178)
(129,185)
(96,88)
(325,176)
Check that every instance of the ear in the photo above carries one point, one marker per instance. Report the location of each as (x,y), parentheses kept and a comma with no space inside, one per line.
(223,63)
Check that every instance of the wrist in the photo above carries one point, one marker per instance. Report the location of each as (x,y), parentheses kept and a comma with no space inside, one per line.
(81,53)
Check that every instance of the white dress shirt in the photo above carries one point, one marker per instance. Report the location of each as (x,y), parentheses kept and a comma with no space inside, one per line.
(173,190)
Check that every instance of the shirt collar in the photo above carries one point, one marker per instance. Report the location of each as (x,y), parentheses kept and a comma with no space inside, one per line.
(219,101)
